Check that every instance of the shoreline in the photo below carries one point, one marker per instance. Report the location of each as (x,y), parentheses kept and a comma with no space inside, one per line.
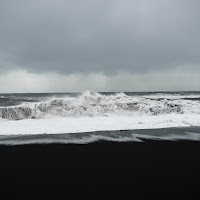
(140,135)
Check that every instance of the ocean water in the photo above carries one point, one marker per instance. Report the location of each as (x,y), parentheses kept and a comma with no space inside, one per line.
(89,117)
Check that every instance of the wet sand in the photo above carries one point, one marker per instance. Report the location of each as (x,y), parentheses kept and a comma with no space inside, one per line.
(149,169)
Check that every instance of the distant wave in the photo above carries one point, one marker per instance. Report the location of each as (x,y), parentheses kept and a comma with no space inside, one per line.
(95,104)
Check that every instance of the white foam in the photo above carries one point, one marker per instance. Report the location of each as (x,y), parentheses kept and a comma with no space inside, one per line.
(95,112)
(95,105)
(171,96)
(90,124)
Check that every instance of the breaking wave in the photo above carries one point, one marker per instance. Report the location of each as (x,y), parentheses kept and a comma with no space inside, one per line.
(95,104)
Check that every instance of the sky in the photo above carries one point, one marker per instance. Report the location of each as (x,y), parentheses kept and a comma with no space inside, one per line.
(99,45)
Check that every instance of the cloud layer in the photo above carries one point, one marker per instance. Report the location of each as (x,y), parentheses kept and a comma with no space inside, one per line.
(107,38)
(176,80)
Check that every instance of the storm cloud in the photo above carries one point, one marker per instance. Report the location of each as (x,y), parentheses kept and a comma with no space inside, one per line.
(109,37)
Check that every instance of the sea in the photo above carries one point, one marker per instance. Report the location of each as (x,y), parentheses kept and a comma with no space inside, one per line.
(88,117)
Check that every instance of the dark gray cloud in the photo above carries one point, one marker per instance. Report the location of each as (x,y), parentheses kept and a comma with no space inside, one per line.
(68,36)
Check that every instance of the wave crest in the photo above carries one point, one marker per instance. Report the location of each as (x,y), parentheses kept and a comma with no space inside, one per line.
(94,104)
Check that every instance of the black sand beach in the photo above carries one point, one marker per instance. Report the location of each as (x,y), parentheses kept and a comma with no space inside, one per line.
(149,169)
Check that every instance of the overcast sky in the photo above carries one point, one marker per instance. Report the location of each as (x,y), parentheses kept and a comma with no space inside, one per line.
(101,45)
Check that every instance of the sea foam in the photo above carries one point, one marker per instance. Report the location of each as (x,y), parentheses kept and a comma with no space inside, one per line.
(91,112)
(95,104)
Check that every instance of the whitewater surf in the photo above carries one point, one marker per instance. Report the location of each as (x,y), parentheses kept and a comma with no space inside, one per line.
(91,111)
